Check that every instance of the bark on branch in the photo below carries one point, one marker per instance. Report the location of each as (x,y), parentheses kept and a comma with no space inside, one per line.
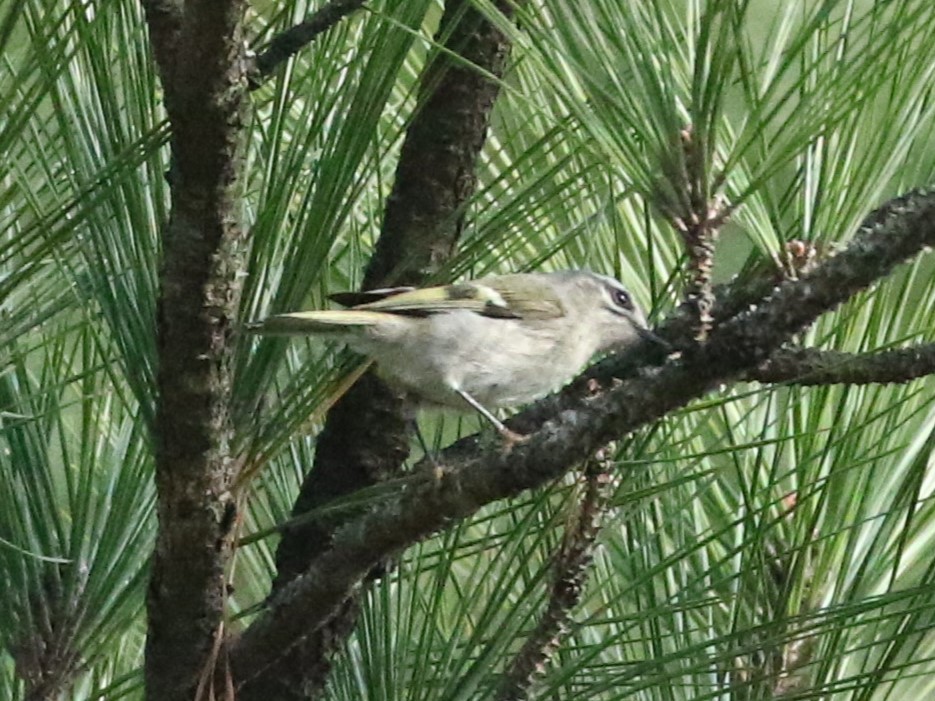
(290,42)
(366,437)
(474,474)
(199,52)
(812,366)
(572,562)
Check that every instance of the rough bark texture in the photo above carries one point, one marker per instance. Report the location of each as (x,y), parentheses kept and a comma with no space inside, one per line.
(435,176)
(811,366)
(366,437)
(474,475)
(200,54)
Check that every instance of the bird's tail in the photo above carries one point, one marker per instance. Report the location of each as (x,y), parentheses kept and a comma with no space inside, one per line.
(334,322)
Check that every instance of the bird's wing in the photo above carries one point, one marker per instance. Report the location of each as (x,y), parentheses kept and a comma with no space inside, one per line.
(502,296)
(470,296)
(527,296)
(356,299)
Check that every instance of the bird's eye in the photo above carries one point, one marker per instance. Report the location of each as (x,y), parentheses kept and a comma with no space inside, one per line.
(622,299)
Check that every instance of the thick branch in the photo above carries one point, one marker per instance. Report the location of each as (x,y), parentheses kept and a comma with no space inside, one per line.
(164,21)
(366,437)
(200,55)
(290,42)
(811,366)
(436,174)
(474,475)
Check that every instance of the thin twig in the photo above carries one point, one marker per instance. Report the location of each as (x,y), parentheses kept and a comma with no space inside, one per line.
(571,570)
(288,43)
(698,217)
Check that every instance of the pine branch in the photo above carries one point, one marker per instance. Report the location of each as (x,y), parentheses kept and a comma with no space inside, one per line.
(812,366)
(288,43)
(164,20)
(366,437)
(571,571)
(200,55)
(698,218)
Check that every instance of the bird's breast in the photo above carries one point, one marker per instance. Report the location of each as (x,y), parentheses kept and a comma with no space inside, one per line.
(499,362)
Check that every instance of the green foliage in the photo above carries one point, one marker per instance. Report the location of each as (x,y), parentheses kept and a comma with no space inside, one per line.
(765,541)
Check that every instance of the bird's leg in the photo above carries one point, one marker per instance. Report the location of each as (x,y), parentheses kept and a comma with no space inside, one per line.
(511,437)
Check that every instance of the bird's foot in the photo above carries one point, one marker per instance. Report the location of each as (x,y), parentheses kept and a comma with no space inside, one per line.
(511,439)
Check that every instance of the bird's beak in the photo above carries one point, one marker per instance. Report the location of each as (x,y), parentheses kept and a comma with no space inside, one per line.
(646,333)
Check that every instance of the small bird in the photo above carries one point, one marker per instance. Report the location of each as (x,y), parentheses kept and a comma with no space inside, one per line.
(498,341)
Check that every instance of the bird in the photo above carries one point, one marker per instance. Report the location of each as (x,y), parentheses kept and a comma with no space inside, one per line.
(494,342)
